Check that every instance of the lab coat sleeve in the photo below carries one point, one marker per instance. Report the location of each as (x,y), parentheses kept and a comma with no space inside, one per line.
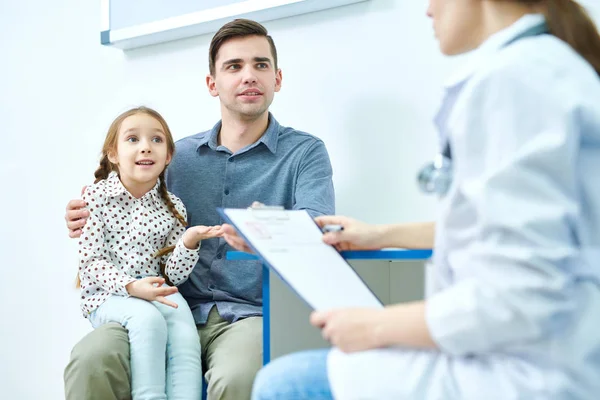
(515,148)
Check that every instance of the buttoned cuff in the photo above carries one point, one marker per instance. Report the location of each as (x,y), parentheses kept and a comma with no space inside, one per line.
(121,290)
(180,248)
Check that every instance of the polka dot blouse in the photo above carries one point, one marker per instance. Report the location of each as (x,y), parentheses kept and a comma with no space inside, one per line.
(120,237)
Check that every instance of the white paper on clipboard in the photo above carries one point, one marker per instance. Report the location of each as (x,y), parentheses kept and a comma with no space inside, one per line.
(291,244)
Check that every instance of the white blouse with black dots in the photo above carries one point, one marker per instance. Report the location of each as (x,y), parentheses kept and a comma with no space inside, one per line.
(120,237)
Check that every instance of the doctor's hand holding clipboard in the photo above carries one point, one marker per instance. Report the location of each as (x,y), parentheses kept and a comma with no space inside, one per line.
(357,235)
(352,329)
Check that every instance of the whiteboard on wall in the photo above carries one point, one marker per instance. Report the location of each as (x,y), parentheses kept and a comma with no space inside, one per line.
(129,24)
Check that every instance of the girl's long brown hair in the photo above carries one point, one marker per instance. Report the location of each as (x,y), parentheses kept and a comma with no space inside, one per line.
(106,167)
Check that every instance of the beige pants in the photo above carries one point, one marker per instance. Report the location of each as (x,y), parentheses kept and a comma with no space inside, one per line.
(232,355)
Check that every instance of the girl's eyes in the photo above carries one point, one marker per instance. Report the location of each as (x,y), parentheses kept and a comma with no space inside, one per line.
(133,139)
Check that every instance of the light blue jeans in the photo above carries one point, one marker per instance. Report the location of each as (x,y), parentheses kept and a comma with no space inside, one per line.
(159,337)
(296,376)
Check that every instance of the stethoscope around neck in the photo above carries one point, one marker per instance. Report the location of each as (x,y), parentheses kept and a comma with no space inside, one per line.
(435,177)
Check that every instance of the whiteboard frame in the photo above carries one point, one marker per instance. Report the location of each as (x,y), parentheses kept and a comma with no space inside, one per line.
(205,21)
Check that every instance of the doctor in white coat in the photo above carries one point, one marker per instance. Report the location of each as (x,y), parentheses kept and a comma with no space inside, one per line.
(516,314)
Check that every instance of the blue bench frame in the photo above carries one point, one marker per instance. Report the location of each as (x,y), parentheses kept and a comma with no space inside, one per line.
(381,255)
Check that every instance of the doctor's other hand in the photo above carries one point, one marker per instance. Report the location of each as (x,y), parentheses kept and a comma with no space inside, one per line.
(351,329)
(234,239)
(355,235)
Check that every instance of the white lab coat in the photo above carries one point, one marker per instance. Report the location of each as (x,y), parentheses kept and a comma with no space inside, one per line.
(517,253)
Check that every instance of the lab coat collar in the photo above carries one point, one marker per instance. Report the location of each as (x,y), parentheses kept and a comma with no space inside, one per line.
(528,25)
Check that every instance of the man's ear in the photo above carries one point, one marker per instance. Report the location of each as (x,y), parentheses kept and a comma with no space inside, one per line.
(212,86)
(278,79)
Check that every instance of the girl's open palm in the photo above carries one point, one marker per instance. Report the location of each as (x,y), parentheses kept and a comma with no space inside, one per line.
(195,234)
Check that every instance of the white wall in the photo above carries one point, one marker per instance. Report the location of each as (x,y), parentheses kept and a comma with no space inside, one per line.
(365,78)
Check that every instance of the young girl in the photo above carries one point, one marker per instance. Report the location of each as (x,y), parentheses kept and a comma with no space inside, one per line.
(517,239)
(134,241)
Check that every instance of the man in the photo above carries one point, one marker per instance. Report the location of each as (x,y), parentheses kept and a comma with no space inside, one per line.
(246,157)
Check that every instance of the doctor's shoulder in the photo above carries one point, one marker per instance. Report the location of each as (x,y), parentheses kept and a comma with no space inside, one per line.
(542,64)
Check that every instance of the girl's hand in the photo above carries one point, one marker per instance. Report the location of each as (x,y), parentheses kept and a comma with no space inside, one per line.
(151,289)
(195,234)
(356,235)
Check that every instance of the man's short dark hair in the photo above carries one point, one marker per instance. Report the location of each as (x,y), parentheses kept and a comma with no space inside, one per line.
(236,29)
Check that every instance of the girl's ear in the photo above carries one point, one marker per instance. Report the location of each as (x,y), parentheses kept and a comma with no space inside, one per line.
(169,158)
(112,157)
